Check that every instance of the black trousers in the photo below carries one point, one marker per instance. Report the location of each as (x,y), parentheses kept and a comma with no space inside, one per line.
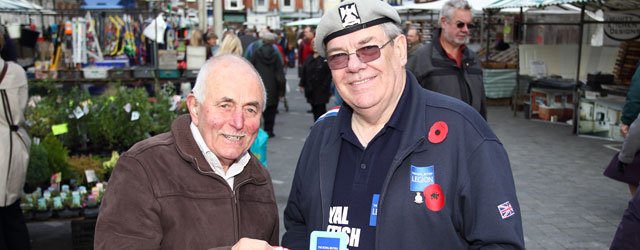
(270,118)
(13,229)
(318,110)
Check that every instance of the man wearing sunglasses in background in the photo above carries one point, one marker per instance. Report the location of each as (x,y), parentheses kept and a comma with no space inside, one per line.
(397,166)
(446,65)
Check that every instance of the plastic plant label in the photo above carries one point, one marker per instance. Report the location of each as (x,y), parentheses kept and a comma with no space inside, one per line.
(127,107)
(135,115)
(59,129)
(78,112)
(91,175)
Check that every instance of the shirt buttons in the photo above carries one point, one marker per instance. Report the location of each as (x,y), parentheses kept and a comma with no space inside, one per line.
(363,166)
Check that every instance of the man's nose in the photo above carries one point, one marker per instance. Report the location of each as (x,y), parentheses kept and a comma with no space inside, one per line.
(237,119)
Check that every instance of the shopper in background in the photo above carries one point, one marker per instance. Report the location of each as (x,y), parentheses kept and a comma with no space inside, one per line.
(446,65)
(14,153)
(197,186)
(196,38)
(397,166)
(622,167)
(292,44)
(414,41)
(628,233)
(230,45)
(632,105)
(500,44)
(315,83)
(267,61)
(304,47)
(212,44)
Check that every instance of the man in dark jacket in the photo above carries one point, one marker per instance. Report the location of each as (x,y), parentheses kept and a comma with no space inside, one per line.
(268,63)
(397,166)
(446,65)
(197,187)
(315,83)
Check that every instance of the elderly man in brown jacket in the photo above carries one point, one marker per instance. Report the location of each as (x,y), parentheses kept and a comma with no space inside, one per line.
(197,186)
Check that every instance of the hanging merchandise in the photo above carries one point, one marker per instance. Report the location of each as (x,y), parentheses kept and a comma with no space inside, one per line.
(92,43)
(139,41)
(57,48)
(114,37)
(79,38)
(129,38)
(155,30)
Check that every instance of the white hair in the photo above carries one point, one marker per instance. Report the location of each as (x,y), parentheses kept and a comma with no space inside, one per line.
(209,67)
(452,5)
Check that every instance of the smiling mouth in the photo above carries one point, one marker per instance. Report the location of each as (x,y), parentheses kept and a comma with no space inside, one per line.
(233,137)
(361,81)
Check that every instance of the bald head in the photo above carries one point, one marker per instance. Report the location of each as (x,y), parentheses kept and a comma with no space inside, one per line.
(225,67)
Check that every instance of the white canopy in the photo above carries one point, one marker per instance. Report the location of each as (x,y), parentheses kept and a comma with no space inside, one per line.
(310,21)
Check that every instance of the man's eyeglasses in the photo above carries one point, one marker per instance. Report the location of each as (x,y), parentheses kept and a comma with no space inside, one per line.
(461,25)
(365,54)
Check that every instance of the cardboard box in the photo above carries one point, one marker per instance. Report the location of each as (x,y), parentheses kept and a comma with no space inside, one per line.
(586,111)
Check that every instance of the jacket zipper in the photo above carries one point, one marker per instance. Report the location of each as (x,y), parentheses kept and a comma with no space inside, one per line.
(236,209)
(384,189)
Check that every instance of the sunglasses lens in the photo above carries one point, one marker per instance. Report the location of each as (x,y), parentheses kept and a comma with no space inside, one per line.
(338,61)
(368,53)
(461,25)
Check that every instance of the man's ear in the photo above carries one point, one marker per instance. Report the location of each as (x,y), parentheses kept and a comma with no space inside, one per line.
(400,44)
(193,106)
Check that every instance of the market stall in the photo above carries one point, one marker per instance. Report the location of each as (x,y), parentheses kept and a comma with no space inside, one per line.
(609,27)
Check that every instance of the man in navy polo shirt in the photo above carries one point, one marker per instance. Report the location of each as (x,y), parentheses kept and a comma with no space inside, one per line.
(397,166)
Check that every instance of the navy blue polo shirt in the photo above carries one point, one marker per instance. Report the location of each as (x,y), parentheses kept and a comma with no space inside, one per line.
(360,175)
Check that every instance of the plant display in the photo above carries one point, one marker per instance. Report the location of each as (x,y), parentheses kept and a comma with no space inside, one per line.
(80,163)
(57,155)
(38,171)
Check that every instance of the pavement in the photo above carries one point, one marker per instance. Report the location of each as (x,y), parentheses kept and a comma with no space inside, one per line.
(566,202)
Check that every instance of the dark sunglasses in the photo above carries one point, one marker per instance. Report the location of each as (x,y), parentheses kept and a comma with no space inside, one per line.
(365,54)
(461,25)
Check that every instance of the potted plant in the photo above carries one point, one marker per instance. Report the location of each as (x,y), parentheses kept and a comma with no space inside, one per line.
(43,212)
(38,171)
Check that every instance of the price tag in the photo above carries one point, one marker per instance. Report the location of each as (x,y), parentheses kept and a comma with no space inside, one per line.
(78,112)
(127,108)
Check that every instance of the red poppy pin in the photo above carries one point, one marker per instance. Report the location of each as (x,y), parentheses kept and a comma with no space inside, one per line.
(434,198)
(438,132)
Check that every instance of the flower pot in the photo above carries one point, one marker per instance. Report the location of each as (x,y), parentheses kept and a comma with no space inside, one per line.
(69,213)
(28,215)
(42,215)
(91,212)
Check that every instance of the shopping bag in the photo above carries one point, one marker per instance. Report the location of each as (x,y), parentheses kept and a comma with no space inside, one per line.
(259,147)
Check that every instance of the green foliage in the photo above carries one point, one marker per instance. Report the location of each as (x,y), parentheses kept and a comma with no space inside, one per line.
(38,171)
(79,163)
(57,155)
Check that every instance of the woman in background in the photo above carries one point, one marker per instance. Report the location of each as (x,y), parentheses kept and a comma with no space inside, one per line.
(230,45)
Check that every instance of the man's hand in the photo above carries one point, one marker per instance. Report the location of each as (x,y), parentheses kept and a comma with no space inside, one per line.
(249,244)
(624,130)
(301,89)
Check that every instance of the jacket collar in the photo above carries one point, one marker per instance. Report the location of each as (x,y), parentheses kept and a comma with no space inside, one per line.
(414,130)
(188,149)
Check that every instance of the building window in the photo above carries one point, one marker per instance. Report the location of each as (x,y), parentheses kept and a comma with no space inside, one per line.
(233,5)
(261,5)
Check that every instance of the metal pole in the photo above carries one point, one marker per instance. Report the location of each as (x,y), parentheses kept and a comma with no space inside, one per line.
(202,15)
(310,8)
(217,15)
(576,97)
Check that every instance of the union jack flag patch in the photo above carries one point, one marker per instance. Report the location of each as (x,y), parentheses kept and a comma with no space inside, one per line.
(506,210)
